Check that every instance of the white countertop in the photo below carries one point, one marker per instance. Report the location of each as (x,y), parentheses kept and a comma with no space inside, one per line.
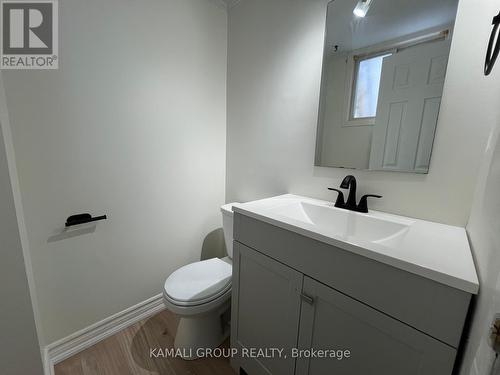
(435,251)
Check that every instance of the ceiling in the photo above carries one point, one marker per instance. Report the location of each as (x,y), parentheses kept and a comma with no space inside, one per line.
(386,20)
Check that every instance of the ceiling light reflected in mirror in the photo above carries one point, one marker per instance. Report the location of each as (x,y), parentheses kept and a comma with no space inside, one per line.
(362,8)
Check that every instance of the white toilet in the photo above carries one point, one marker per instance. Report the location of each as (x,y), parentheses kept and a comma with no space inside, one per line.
(200,293)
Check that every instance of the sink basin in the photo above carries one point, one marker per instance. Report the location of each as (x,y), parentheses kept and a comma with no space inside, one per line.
(341,223)
(437,251)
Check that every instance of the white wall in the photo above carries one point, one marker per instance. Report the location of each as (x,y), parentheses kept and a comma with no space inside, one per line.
(483,227)
(274,68)
(19,347)
(132,125)
(483,230)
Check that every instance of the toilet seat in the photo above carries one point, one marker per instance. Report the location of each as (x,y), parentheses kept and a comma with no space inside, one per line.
(198,283)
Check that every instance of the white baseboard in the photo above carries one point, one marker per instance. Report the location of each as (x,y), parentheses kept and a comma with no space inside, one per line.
(85,338)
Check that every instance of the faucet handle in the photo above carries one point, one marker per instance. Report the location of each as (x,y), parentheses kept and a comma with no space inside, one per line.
(363,202)
(340,203)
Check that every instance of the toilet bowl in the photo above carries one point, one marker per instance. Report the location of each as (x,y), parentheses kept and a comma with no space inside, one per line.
(200,293)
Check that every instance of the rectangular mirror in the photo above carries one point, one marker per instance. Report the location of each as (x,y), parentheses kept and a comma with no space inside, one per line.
(384,67)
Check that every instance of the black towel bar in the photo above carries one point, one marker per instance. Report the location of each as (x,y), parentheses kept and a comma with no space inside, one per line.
(493,47)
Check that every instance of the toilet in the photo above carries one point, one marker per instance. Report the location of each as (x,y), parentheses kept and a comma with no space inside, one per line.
(200,293)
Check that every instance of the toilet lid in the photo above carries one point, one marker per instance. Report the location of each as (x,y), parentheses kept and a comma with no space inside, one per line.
(200,281)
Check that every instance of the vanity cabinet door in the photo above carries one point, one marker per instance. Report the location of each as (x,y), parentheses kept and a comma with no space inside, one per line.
(378,344)
(265,310)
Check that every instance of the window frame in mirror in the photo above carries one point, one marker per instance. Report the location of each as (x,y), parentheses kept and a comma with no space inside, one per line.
(353,61)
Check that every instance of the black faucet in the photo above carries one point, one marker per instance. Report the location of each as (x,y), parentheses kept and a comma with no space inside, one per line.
(349,182)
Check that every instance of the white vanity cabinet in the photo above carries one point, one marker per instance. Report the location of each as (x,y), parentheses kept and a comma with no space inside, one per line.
(293,292)
(267,309)
(377,343)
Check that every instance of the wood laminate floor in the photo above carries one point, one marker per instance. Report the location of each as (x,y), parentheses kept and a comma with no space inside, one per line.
(128,353)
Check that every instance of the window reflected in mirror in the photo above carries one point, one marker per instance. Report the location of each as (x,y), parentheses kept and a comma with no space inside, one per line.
(366,84)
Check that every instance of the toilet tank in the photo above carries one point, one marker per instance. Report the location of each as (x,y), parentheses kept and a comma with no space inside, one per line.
(227,226)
